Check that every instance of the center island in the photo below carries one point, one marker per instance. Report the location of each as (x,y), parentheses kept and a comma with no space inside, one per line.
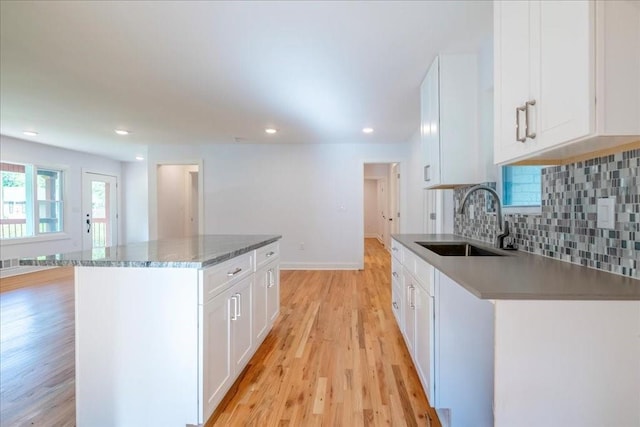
(164,328)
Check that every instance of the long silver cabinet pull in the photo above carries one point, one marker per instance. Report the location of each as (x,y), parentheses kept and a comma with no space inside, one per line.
(528,134)
(239,312)
(412,294)
(518,110)
(427,175)
(270,279)
(234,312)
(234,272)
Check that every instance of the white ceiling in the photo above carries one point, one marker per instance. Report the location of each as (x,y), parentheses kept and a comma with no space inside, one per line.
(209,72)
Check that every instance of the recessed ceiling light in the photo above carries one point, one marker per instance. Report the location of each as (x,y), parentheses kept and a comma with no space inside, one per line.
(30,133)
(122,132)
(271,131)
(367,130)
(139,158)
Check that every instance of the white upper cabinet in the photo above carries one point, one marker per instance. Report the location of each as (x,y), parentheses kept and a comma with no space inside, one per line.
(566,78)
(449,122)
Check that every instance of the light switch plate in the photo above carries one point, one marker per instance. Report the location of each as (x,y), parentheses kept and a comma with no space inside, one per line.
(606,213)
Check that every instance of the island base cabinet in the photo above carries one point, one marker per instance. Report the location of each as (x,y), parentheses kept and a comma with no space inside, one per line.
(273,293)
(136,347)
(217,366)
(567,363)
(266,297)
(227,341)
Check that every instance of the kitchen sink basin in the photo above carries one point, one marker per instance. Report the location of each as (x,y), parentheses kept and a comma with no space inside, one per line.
(457,249)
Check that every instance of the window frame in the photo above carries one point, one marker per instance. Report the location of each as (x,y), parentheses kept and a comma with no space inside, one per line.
(32,199)
(514,209)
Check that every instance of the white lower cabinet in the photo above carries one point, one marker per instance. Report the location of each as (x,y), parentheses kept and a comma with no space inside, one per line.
(449,334)
(266,294)
(424,357)
(217,366)
(413,306)
(410,285)
(237,319)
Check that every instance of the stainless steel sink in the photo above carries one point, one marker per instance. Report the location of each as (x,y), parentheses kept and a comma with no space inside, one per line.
(457,249)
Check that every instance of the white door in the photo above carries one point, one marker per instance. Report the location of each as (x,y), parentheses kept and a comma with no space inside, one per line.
(99,211)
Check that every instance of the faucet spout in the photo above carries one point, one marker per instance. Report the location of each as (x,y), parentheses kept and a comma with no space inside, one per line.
(490,191)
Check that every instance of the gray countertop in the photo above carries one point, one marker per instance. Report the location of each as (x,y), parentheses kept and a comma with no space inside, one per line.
(521,275)
(188,252)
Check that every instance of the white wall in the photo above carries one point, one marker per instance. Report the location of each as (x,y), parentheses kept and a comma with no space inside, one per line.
(74,163)
(370,208)
(310,194)
(136,202)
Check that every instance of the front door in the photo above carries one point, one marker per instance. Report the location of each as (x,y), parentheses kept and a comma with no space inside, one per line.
(99,211)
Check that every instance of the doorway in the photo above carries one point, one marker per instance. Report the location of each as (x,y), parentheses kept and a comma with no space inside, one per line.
(178,200)
(99,211)
(381,201)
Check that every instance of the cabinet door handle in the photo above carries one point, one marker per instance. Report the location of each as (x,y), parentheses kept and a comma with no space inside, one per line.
(395,274)
(528,134)
(270,279)
(394,249)
(395,305)
(427,175)
(234,272)
(234,312)
(412,294)
(239,306)
(270,254)
(518,110)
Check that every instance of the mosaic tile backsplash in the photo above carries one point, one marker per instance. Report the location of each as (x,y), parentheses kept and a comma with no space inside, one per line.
(566,229)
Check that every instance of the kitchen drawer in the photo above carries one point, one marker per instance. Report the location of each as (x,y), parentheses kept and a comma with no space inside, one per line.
(221,276)
(419,269)
(397,250)
(267,253)
(396,270)
(396,301)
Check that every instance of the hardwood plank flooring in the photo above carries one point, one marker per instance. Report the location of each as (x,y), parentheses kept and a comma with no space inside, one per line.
(335,356)
(37,354)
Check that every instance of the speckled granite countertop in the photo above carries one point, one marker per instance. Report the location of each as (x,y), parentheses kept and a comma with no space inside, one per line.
(521,275)
(188,252)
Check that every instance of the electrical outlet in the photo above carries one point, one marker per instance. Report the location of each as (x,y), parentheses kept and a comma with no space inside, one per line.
(606,213)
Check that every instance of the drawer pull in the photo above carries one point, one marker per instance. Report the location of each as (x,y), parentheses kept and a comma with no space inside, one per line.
(270,254)
(395,305)
(234,272)
(395,274)
(393,248)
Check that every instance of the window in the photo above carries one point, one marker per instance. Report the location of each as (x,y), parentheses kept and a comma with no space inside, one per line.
(31,200)
(521,185)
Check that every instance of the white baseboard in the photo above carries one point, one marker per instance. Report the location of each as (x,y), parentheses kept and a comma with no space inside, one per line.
(320,266)
(16,271)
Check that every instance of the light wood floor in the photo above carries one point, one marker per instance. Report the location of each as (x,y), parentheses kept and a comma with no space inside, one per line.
(335,356)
